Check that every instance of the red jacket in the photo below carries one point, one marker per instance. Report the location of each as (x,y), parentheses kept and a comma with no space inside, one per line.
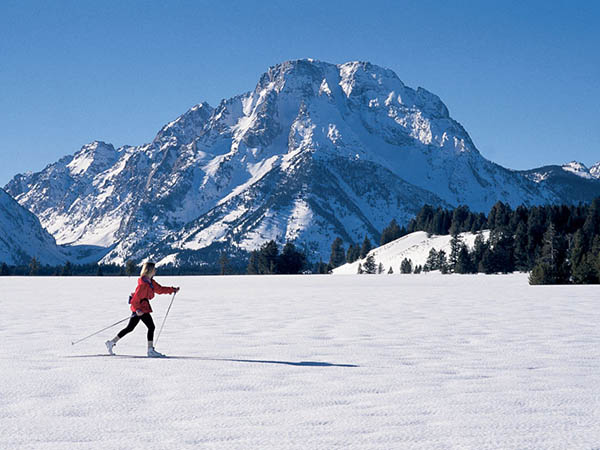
(144,292)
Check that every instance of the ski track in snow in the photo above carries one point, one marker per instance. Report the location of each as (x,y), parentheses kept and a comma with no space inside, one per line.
(308,362)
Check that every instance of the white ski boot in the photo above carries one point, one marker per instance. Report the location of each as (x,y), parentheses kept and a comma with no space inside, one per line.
(109,346)
(152,353)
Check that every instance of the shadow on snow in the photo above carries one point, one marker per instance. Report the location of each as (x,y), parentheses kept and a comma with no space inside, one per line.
(255,361)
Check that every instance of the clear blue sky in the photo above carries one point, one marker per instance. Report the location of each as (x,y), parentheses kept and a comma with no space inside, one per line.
(523,77)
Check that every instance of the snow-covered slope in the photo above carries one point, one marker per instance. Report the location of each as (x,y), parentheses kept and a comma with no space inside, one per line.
(76,198)
(578,169)
(595,170)
(22,237)
(315,151)
(414,246)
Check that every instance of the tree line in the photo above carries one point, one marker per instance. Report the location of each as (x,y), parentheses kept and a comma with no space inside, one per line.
(269,260)
(130,268)
(35,268)
(556,243)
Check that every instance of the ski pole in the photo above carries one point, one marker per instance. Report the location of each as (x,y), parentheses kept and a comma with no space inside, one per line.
(94,334)
(165,319)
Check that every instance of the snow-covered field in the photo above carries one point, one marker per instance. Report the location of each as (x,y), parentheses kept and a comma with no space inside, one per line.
(378,362)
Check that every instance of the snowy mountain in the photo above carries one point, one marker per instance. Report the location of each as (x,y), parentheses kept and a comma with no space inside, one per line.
(414,246)
(569,183)
(22,236)
(578,169)
(595,170)
(315,151)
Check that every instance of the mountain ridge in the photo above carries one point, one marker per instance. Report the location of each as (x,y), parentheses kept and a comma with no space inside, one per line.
(16,222)
(230,177)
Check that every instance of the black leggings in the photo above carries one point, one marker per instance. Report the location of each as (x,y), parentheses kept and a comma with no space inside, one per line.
(135,319)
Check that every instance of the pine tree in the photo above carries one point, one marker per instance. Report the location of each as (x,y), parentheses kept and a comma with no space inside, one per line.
(360,270)
(461,220)
(536,226)
(291,261)
(594,256)
(442,262)
(591,226)
(486,263)
(252,268)
(406,266)
(480,247)
(432,261)
(418,269)
(551,246)
(67,270)
(521,256)
(4,270)
(224,266)
(422,221)
(380,268)
(597,266)
(541,274)
(577,256)
(370,266)
(34,266)
(552,267)
(267,258)
(455,246)
(499,216)
(366,247)
(464,264)
(480,223)
(390,233)
(322,268)
(585,271)
(130,268)
(583,257)
(391,271)
(352,253)
(441,222)
(338,255)
(502,255)
(355,252)
(518,216)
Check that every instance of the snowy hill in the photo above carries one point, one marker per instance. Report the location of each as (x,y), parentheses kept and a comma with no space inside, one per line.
(315,151)
(22,237)
(414,246)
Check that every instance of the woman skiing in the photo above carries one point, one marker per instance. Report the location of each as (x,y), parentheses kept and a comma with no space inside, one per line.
(140,306)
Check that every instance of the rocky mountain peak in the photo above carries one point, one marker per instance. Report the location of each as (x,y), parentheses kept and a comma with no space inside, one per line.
(578,169)
(188,126)
(92,159)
